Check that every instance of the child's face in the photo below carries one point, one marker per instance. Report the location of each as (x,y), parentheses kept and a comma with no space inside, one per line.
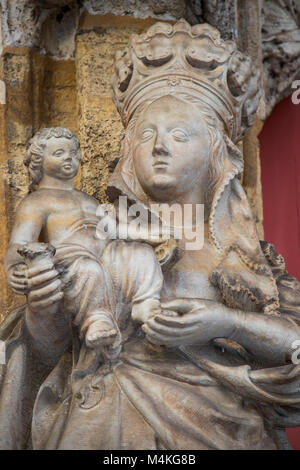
(61,158)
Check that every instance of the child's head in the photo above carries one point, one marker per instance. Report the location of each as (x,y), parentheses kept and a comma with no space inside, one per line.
(54,142)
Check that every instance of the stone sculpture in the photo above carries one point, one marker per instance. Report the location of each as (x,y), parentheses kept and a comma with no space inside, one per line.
(78,280)
(204,344)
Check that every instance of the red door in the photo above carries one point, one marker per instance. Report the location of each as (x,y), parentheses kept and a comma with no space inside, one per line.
(280,161)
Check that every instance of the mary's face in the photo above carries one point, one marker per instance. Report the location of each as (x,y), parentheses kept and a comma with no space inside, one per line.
(171,149)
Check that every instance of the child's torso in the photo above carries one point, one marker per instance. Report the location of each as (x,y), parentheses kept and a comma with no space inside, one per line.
(71,217)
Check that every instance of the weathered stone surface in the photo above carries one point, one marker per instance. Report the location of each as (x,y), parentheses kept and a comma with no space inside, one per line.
(59,95)
(17,77)
(100,128)
(58,32)
(16,128)
(21,22)
(97,118)
(269,30)
(13,187)
(163,9)
(18,124)
(218,315)
(215,12)
(33,24)
(240,21)
(281,49)
(252,175)
(50,26)
(248,37)
(53,3)
(4,234)
(41,92)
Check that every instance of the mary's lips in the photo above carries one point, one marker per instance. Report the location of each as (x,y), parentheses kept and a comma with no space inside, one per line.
(161,164)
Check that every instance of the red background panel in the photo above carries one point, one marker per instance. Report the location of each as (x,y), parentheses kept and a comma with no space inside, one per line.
(280,161)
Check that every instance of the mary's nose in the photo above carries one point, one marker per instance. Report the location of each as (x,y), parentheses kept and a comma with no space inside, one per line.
(160,146)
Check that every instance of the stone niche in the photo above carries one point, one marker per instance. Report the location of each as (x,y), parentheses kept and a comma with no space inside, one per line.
(55,67)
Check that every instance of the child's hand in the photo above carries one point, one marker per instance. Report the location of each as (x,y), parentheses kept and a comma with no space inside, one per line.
(142,311)
(17,278)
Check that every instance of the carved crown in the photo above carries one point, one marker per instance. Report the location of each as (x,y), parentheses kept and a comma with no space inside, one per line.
(191,62)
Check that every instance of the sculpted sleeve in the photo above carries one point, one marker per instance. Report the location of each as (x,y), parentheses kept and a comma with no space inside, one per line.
(277,389)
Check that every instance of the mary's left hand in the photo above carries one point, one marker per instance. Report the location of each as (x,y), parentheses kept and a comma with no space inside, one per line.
(196,322)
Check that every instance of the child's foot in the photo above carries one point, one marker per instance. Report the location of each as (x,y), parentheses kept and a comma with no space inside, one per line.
(100,333)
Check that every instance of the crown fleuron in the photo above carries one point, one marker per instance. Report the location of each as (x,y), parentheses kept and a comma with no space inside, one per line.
(191,62)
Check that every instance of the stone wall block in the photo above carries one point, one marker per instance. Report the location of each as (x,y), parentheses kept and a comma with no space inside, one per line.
(248,26)
(18,116)
(59,104)
(160,9)
(100,127)
(252,175)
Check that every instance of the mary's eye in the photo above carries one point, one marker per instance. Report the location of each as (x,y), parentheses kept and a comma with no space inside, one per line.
(180,134)
(147,134)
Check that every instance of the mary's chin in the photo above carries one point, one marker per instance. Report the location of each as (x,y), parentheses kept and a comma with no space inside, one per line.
(162,181)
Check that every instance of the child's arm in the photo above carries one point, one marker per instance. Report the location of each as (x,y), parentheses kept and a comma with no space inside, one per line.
(29,220)
(49,329)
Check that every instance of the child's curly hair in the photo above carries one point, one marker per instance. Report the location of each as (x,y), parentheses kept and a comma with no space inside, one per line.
(35,151)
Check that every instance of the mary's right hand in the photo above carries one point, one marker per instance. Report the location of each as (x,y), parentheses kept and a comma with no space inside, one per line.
(196,321)
(44,287)
(47,325)
(17,278)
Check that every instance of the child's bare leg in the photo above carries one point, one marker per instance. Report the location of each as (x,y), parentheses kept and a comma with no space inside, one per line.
(100,330)
(88,296)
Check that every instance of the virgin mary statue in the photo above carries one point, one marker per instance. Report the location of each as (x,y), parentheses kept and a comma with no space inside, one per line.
(214,368)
